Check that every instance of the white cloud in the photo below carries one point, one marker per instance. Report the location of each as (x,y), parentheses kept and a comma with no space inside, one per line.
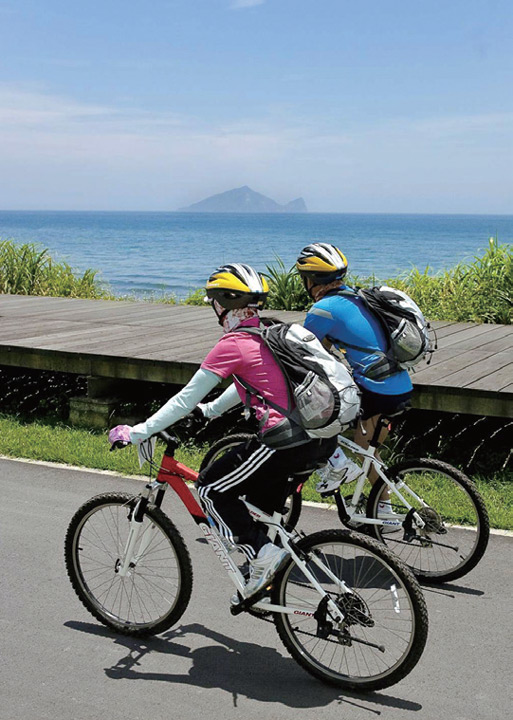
(20,108)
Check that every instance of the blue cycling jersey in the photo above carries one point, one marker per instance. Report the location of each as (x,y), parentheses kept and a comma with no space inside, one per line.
(345,319)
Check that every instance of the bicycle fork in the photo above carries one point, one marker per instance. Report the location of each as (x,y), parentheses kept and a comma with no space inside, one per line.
(130,557)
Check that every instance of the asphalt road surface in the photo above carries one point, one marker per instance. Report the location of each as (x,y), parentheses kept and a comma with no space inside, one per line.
(58,663)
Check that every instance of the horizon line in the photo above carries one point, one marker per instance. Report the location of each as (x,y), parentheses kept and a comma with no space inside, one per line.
(314,212)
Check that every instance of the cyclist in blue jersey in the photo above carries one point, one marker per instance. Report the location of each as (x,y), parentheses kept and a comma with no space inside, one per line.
(339,318)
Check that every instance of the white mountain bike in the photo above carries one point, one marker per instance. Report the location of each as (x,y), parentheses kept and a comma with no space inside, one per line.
(438,526)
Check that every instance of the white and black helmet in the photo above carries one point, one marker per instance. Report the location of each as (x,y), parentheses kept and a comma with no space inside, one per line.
(237,285)
(321,263)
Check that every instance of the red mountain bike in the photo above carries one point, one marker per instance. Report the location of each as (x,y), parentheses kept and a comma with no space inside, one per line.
(346,610)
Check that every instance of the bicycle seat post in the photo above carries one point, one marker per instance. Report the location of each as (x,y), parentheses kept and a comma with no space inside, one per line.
(382,423)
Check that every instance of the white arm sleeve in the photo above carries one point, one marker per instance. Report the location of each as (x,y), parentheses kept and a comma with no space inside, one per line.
(178,406)
(224,402)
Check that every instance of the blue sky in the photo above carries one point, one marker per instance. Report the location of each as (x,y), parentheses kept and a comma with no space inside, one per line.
(376,106)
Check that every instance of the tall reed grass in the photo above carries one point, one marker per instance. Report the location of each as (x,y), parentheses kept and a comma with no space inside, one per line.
(286,289)
(478,291)
(29,269)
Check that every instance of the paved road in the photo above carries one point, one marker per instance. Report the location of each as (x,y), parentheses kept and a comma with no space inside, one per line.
(58,663)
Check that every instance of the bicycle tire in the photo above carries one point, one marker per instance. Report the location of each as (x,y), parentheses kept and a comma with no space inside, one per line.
(145,602)
(456,513)
(385,593)
(221,446)
(294,501)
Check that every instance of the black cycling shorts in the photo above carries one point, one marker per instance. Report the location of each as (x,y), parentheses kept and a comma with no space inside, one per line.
(375,404)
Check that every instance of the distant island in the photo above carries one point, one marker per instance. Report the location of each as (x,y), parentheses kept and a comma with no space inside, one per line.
(244,200)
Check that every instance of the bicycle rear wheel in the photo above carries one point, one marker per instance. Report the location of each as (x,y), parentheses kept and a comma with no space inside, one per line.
(293,503)
(155,593)
(457,526)
(385,627)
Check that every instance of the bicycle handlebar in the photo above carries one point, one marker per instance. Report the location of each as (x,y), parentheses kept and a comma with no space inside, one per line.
(171,442)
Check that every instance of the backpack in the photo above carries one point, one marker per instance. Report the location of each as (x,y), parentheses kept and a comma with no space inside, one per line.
(322,395)
(406,329)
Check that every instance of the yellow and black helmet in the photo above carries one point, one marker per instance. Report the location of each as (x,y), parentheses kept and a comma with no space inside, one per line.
(321,263)
(236,286)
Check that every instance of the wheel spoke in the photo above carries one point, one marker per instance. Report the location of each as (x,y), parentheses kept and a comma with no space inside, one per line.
(456,523)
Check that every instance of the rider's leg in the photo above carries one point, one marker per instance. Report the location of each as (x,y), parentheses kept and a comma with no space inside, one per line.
(374,406)
(261,472)
(363,435)
(221,485)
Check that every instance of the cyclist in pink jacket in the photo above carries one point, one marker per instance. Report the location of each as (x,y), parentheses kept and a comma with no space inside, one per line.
(259,468)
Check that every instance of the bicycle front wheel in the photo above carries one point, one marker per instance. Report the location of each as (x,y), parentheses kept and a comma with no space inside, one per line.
(155,592)
(456,530)
(385,618)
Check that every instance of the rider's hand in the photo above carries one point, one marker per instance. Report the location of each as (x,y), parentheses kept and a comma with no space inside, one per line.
(120,434)
(199,411)
(193,422)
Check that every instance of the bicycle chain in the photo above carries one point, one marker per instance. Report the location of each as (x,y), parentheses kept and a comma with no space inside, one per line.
(257,615)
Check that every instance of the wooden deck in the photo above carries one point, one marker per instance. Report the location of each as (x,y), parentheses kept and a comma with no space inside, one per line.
(472,371)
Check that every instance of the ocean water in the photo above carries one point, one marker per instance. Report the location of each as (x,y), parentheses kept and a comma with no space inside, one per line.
(137,253)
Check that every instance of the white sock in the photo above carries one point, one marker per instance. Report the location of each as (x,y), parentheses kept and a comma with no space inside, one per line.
(338,459)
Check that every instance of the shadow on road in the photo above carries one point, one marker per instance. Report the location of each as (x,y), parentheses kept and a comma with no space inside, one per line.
(450,590)
(242,669)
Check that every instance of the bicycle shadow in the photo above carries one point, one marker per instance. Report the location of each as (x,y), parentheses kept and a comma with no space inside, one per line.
(242,669)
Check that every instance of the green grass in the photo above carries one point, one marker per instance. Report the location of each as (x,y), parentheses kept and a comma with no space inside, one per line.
(497,493)
(29,269)
(478,291)
(74,446)
(286,289)
(82,448)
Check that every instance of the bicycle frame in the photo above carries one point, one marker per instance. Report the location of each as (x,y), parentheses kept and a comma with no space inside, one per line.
(175,474)
(371,461)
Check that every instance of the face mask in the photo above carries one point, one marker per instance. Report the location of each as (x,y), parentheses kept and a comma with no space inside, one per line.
(230,319)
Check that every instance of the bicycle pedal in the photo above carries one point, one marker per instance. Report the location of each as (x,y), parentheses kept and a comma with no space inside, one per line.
(328,493)
(247,603)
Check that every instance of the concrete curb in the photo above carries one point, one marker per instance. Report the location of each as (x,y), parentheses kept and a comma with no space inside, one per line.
(142,478)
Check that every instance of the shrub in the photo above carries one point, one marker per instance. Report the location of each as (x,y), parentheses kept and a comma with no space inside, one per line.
(195,298)
(286,289)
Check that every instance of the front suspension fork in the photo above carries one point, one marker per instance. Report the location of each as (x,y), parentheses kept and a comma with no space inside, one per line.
(130,559)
